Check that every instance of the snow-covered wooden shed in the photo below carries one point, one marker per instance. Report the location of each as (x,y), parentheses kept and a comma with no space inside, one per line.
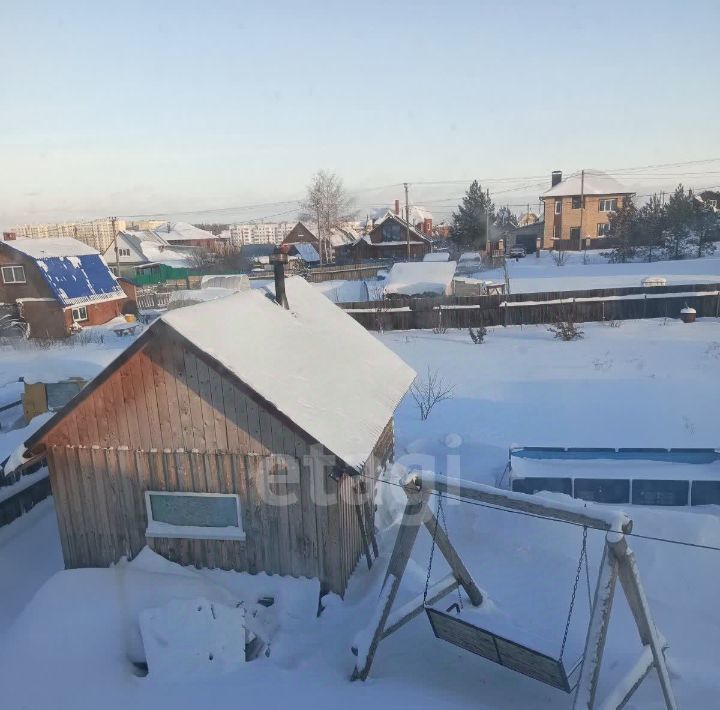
(235,434)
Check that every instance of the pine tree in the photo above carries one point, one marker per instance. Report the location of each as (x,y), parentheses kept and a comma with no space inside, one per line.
(625,231)
(651,217)
(680,218)
(469,228)
(704,230)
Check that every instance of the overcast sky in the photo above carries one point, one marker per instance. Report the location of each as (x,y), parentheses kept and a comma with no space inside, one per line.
(150,106)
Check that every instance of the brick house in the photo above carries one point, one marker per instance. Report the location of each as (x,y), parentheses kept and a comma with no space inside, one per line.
(579,208)
(388,240)
(55,284)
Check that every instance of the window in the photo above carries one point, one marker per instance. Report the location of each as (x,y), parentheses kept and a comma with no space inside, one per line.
(392,232)
(603,229)
(712,203)
(558,206)
(577,201)
(660,492)
(705,493)
(608,205)
(535,485)
(574,232)
(79,313)
(205,516)
(13,274)
(603,490)
(124,252)
(556,231)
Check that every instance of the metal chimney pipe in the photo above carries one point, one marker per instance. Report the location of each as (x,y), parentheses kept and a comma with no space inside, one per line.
(278,260)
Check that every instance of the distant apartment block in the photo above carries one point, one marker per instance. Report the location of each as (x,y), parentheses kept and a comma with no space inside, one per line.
(260,233)
(97,234)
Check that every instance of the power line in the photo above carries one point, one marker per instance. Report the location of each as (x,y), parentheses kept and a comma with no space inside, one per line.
(527,514)
(628,171)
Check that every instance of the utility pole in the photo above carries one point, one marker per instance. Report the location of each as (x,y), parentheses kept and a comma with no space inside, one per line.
(407,220)
(487,222)
(582,203)
(113,220)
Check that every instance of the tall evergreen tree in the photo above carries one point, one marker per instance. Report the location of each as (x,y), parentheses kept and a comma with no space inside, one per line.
(469,227)
(680,216)
(625,231)
(651,217)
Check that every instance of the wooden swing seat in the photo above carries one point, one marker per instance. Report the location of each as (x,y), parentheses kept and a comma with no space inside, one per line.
(510,654)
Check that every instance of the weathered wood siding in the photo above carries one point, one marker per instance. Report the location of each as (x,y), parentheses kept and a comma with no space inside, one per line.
(167,420)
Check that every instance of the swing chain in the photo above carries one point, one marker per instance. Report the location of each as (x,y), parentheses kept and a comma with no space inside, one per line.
(583,555)
(432,547)
(439,513)
(459,605)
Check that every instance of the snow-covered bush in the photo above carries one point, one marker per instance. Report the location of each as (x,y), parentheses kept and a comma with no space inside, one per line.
(477,335)
(566,330)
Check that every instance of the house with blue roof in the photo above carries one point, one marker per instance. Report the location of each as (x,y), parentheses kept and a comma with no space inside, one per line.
(55,286)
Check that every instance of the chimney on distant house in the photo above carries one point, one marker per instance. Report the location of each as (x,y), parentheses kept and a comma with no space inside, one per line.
(555,177)
(278,259)
(397,207)
(427,226)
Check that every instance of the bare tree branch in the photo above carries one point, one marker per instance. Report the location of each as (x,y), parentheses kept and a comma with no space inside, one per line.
(328,205)
(428,392)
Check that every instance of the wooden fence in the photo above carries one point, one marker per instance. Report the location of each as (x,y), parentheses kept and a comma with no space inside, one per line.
(406,313)
(350,272)
(18,503)
(153,299)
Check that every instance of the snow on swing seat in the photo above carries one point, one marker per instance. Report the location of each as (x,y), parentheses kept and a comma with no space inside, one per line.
(529,650)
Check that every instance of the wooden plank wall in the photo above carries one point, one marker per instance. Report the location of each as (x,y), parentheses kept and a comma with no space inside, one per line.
(167,397)
(100,504)
(167,420)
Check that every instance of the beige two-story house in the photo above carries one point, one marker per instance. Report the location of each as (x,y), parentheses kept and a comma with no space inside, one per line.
(578,208)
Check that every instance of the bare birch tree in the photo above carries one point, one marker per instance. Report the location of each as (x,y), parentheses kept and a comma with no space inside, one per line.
(327,204)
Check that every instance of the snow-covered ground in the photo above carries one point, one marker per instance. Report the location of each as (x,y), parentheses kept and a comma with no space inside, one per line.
(646,383)
(539,275)
(531,274)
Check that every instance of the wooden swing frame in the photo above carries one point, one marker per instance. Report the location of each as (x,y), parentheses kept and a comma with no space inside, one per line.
(618,561)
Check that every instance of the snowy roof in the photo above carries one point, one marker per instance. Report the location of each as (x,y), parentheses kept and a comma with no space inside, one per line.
(235,282)
(470,256)
(593,183)
(75,273)
(392,215)
(437,256)
(182,231)
(170,256)
(415,278)
(314,363)
(341,235)
(417,213)
(307,252)
(187,297)
(44,248)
